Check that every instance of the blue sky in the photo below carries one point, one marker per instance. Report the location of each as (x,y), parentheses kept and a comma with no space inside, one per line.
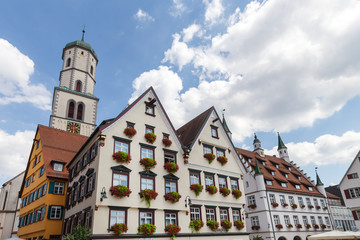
(278,65)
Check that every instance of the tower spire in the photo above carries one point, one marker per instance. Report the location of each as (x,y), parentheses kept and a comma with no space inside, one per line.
(282,149)
(226,128)
(318,180)
(257,168)
(280,142)
(83,33)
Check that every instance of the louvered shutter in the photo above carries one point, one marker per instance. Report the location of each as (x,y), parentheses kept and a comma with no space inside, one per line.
(347,194)
(49,212)
(355,215)
(51,187)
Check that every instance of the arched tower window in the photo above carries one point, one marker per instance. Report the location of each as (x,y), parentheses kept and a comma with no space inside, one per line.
(71,109)
(80,110)
(68,62)
(91,70)
(78,86)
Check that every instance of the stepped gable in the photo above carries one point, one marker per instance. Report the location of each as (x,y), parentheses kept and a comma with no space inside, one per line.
(292,180)
(191,130)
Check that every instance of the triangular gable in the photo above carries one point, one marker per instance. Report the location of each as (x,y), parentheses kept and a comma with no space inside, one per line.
(352,163)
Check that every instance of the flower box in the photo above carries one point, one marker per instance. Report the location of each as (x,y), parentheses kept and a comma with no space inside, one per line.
(252,206)
(323,226)
(226,224)
(211,189)
(197,188)
(148,195)
(316,226)
(167,142)
(119,228)
(172,229)
(212,224)
(236,193)
(239,225)
(317,207)
(289,225)
(255,227)
(294,206)
(279,226)
(121,157)
(274,204)
(284,204)
(150,137)
(120,191)
(148,163)
(210,157)
(196,225)
(310,206)
(147,229)
(171,167)
(224,191)
(172,196)
(129,132)
(299,225)
(302,205)
(223,160)
(325,208)
(307,226)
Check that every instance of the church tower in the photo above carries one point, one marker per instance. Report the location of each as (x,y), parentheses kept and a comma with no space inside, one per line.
(257,146)
(74,106)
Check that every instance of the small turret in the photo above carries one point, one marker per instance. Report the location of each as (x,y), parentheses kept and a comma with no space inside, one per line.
(259,177)
(319,185)
(282,149)
(227,130)
(257,146)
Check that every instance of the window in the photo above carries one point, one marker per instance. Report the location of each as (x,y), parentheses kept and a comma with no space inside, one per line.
(276,219)
(312,218)
(354,192)
(78,86)
(170,218)
(169,157)
(210,214)
(255,221)
(236,214)
(286,219)
(55,212)
(224,214)
(308,202)
(222,182)
(59,167)
(37,144)
(305,220)
(277,165)
(269,182)
(82,189)
(301,201)
(297,186)
(146,217)
(41,171)
(194,178)
(272,173)
(291,200)
(320,220)
(80,110)
(209,180)
(234,184)
(147,183)
(272,198)
(195,213)
(170,186)
(286,175)
(282,199)
(316,202)
(327,221)
(214,132)
(299,178)
(322,203)
(68,62)
(120,179)
(71,109)
(296,220)
(117,216)
(251,200)
(149,129)
(311,189)
(289,168)
(352,176)
(121,146)
(91,70)
(284,185)
(207,149)
(220,152)
(149,109)
(33,177)
(58,188)
(147,153)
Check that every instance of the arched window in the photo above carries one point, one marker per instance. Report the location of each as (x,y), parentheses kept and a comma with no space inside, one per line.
(80,110)
(91,70)
(71,110)
(78,86)
(68,62)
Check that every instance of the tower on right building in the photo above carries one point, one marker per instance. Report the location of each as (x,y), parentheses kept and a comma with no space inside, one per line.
(282,202)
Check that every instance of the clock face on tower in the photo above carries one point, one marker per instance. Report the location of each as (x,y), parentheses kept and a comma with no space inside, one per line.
(73,127)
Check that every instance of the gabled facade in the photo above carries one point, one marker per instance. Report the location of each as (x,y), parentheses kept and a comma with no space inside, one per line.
(9,206)
(350,189)
(282,202)
(44,185)
(214,164)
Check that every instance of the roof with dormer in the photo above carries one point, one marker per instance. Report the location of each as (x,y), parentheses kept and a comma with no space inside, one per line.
(283,172)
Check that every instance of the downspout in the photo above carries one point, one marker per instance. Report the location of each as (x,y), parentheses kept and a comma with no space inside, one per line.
(271,218)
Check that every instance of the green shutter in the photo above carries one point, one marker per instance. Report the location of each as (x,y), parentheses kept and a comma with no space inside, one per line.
(51,187)
(93,183)
(49,212)
(61,212)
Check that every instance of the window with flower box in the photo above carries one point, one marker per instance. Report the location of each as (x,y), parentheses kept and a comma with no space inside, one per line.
(272,198)
(305,220)
(147,182)
(194,177)
(286,219)
(291,200)
(282,199)
(146,216)
(301,201)
(171,218)
(276,219)
(296,220)
(120,178)
(169,156)
(308,202)
(209,179)
(236,214)
(207,149)
(251,200)
(222,181)
(316,202)
(122,145)
(210,213)
(312,219)
(220,152)
(170,185)
(149,129)
(117,215)
(255,221)
(320,220)
(327,221)
(214,131)
(234,184)
(147,152)
(195,213)
(224,214)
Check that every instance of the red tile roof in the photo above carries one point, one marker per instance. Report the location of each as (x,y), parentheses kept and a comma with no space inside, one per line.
(279,176)
(333,196)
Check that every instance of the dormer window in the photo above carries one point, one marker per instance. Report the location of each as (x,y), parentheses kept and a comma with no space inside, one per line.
(276,165)
(286,175)
(269,182)
(311,189)
(299,178)
(263,163)
(214,132)
(59,167)
(297,186)
(289,168)
(273,173)
(284,185)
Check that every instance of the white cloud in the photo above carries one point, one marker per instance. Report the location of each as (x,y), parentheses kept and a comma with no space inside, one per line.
(178,8)
(325,150)
(214,10)
(15,71)
(280,65)
(14,152)
(189,32)
(143,16)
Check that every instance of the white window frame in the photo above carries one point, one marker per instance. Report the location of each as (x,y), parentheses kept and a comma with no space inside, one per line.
(117,216)
(59,188)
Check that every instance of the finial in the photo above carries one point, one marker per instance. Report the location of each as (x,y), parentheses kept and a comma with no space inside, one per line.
(223,111)
(83,33)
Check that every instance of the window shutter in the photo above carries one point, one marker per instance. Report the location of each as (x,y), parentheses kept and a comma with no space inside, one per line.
(96,148)
(347,194)
(19,222)
(51,187)
(349,176)
(61,212)
(49,212)
(90,218)
(93,183)
(355,215)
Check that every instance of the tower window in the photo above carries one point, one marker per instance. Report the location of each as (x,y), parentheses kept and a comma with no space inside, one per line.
(71,110)
(78,86)
(68,62)
(80,111)
(91,70)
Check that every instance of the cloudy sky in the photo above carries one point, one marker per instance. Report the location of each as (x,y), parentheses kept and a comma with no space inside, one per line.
(275,66)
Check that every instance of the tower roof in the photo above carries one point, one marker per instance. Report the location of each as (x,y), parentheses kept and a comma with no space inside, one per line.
(257,169)
(225,125)
(256,140)
(318,180)
(81,44)
(280,142)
